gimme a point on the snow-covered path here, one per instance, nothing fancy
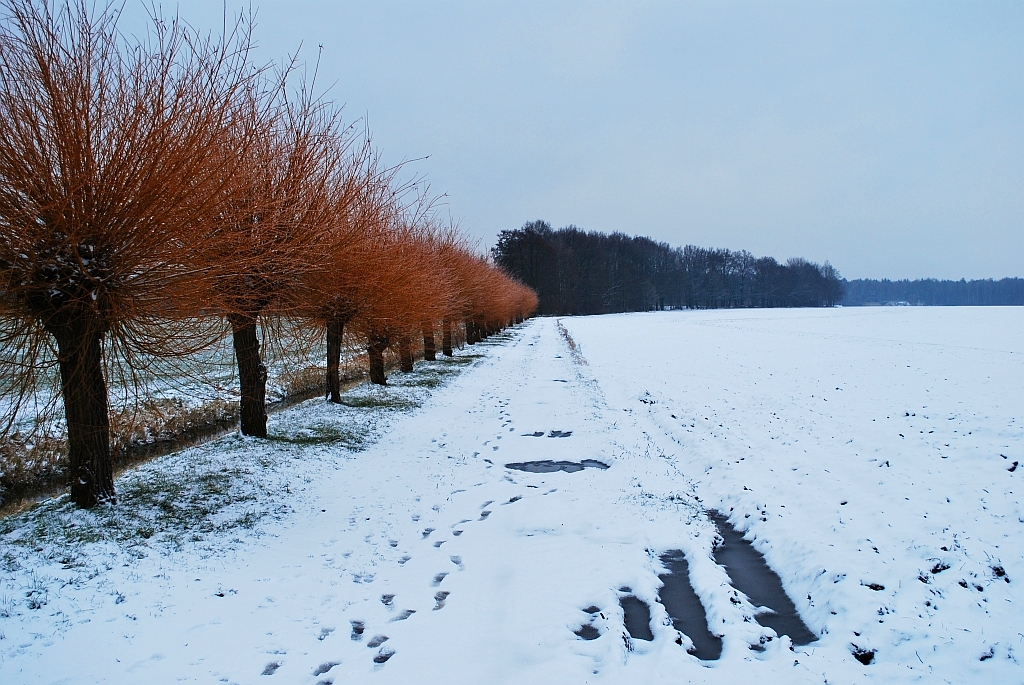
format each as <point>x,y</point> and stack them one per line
<point>478,573</point>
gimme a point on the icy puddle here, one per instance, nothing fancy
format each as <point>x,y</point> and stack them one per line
<point>684,607</point>
<point>754,578</point>
<point>549,466</point>
<point>637,617</point>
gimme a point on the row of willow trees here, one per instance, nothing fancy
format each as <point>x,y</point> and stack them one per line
<point>586,272</point>
<point>159,193</point>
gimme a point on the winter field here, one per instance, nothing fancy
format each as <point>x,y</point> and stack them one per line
<point>870,455</point>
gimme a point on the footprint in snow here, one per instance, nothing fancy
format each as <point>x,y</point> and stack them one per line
<point>393,543</point>
<point>537,434</point>
<point>406,613</point>
<point>514,499</point>
<point>427,532</point>
<point>439,577</point>
<point>456,533</point>
<point>484,514</point>
<point>387,600</point>
<point>324,632</point>
<point>457,561</point>
<point>487,504</point>
<point>271,668</point>
<point>326,666</point>
<point>383,655</point>
<point>405,558</point>
<point>376,641</point>
<point>440,597</point>
<point>357,630</point>
<point>439,543</point>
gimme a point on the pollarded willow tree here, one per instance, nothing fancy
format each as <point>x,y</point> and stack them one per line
<point>389,295</point>
<point>273,222</point>
<point>334,294</point>
<point>108,170</point>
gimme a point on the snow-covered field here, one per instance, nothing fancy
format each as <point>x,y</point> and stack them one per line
<point>867,453</point>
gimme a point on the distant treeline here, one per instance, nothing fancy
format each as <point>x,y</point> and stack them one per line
<point>928,291</point>
<point>585,272</point>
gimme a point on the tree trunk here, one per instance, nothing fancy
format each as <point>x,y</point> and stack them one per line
<point>429,346</point>
<point>252,375</point>
<point>335,327</point>
<point>375,350</point>
<point>405,353</point>
<point>446,337</point>
<point>80,356</point>
<point>470,333</point>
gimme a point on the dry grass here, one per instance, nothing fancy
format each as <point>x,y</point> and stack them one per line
<point>574,349</point>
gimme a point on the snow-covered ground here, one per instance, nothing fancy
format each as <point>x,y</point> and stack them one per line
<point>866,453</point>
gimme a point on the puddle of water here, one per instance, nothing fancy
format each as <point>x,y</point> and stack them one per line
<point>549,466</point>
<point>637,617</point>
<point>754,578</point>
<point>684,607</point>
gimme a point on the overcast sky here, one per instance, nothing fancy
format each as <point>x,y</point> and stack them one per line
<point>887,138</point>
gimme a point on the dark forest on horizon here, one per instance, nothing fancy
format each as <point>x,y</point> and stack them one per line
<point>585,272</point>
<point>930,291</point>
<point>575,271</point>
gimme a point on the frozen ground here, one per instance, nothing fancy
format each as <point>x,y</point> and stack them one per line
<point>865,452</point>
